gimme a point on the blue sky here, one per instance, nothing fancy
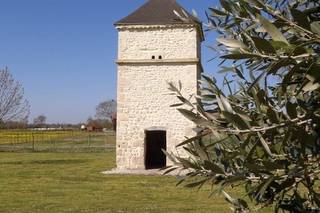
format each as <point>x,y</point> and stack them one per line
<point>63,51</point>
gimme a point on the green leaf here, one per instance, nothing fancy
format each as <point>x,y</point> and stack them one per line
<point>256,80</point>
<point>275,66</point>
<point>315,27</point>
<point>255,2</point>
<point>278,148</point>
<point>232,43</point>
<point>287,183</point>
<point>263,45</point>
<point>208,97</point>
<point>273,116</point>
<point>187,163</point>
<point>217,142</point>
<point>263,187</point>
<point>279,45</point>
<point>224,69</point>
<point>300,18</point>
<point>196,184</point>
<point>200,150</point>
<point>233,70</point>
<point>260,152</point>
<point>272,30</point>
<point>177,105</point>
<point>224,104</point>
<point>170,156</point>
<point>169,170</point>
<point>213,167</point>
<point>226,5</point>
<point>262,97</point>
<point>265,145</point>
<point>256,168</point>
<point>197,119</point>
<point>212,80</point>
<point>239,73</point>
<point>190,140</point>
<point>189,114</point>
<point>233,179</point>
<point>217,12</point>
<point>313,73</point>
<point>240,56</point>
<point>184,100</point>
<point>299,51</point>
<point>243,114</point>
<point>237,203</point>
<point>236,120</point>
<point>292,110</point>
<point>269,165</point>
<point>229,198</point>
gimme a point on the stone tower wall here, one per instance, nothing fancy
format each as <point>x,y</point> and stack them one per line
<point>171,42</point>
<point>143,96</point>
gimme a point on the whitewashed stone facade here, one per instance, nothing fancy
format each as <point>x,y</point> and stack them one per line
<point>143,96</point>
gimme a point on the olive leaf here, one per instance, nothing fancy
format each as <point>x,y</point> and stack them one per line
<point>315,27</point>
<point>272,30</point>
<point>301,18</point>
<point>232,43</point>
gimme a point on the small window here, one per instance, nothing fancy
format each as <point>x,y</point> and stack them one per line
<point>153,57</point>
<point>160,57</point>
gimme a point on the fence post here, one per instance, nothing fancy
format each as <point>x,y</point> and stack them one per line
<point>33,142</point>
<point>89,138</point>
<point>54,143</point>
<point>107,139</point>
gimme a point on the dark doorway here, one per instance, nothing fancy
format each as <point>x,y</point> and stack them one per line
<point>156,141</point>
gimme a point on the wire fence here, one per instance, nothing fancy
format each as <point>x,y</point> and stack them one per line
<point>56,141</point>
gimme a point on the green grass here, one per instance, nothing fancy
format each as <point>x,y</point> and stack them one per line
<point>64,182</point>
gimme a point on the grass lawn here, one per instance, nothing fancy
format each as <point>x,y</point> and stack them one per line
<point>72,182</point>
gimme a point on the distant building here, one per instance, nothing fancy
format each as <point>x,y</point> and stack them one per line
<point>155,47</point>
<point>83,127</point>
<point>94,128</point>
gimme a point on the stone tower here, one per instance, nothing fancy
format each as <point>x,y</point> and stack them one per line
<point>155,47</point>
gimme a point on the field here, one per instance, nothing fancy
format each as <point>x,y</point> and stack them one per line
<point>73,182</point>
<point>56,141</point>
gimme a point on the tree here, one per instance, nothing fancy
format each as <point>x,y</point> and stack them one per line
<point>40,121</point>
<point>13,105</point>
<point>107,111</point>
<point>266,130</point>
<point>16,124</point>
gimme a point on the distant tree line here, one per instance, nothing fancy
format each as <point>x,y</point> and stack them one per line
<point>15,109</point>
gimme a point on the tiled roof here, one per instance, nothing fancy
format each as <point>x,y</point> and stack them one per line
<point>156,12</point>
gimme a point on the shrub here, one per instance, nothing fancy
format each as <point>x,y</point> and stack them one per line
<point>266,130</point>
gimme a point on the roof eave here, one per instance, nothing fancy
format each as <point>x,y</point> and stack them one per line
<point>153,23</point>
<point>197,25</point>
